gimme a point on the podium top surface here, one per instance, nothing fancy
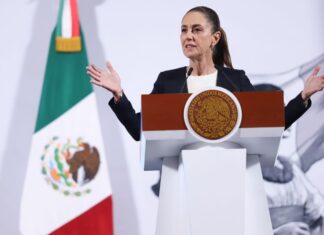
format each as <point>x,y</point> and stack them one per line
<point>164,132</point>
<point>162,112</point>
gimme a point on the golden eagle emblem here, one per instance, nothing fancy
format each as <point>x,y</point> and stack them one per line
<point>68,166</point>
<point>212,114</point>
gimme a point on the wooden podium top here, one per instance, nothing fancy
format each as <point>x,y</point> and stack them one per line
<point>259,109</point>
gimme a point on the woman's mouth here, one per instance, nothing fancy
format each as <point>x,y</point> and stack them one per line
<point>189,46</point>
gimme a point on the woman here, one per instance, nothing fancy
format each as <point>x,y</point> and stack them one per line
<point>204,43</point>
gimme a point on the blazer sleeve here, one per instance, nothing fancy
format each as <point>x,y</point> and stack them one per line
<point>293,110</point>
<point>127,115</point>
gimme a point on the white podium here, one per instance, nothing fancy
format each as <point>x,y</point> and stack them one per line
<point>211,188</point>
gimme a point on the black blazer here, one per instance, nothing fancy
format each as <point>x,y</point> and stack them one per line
<point>175,81</point>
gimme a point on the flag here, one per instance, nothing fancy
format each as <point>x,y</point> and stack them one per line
<point>67,188</point>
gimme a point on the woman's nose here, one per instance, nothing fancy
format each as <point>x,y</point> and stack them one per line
<point>189,35</point>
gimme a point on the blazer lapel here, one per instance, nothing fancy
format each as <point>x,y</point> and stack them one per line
<point>223,79</point>
<point>183,87</point>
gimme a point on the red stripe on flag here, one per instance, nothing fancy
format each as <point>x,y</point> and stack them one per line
<point>97,220</point>
<point>75,19</point>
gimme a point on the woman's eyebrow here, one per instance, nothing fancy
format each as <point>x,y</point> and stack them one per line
<point>193,26</point>
<point>196,25</point>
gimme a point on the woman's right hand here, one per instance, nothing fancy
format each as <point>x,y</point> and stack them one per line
<point>107,78</point>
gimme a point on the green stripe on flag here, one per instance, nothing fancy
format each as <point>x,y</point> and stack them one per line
<point>59,20</point>
<point>65,83</point>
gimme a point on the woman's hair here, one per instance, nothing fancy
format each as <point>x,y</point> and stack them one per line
<point>221,55</point>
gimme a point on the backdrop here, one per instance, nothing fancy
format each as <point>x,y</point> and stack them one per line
<point>273,41</point>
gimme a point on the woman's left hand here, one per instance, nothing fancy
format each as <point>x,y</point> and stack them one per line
<point>313,84</point>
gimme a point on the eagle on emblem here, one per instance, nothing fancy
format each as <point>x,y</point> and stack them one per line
<point>84,163</point>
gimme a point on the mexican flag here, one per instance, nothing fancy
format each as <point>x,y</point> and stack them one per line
<point>67,188</point>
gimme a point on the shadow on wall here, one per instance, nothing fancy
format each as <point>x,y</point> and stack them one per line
<point>22,125</point>
<point>15,159</point>
<point>125,216</point>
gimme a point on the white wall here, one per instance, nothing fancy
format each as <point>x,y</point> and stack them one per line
<point>141,38</point>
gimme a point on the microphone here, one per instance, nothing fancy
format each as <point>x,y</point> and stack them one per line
<point>187,75</point>
<point>189,72</point>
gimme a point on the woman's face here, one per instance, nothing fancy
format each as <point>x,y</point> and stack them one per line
<point>197,39</point>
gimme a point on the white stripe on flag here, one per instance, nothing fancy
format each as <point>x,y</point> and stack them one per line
<point>44,209</point>
<point>67,20</point>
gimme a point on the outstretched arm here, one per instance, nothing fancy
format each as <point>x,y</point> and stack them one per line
<point>313,84</point>
<point>109,79</point>
<point>301,103</point>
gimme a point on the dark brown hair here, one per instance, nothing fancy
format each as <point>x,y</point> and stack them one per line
<point>221,55</point>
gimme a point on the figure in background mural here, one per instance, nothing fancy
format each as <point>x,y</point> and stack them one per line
<point>296,205</point>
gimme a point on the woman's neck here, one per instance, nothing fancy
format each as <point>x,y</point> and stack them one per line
<point>202,66</point>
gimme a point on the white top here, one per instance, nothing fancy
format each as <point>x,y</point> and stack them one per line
<point>196,83</point>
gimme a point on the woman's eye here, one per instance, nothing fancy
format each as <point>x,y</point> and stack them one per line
<point>196,30</point>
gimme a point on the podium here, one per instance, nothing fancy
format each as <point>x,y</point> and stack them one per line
<point>211,188</point>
